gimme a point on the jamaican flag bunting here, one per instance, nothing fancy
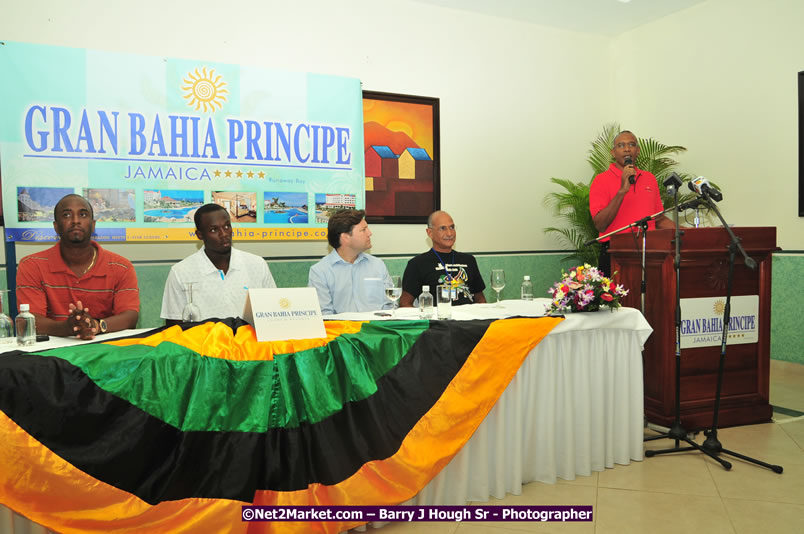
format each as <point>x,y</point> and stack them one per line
<point>174,430</point>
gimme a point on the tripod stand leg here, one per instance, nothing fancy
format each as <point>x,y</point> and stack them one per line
<point>692,447</point>
<point>775,468</point>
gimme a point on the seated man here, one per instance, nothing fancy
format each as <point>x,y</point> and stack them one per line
<point>442,265</point>
<point>220,274</point>
<point>77,288</point>
<point>348,279</point>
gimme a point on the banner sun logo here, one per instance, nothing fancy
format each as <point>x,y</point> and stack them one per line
<point>204,89</point>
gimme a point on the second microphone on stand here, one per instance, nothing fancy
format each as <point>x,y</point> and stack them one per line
<point>700,185</point>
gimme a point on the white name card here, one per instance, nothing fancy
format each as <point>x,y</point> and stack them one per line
<point>284,313</point>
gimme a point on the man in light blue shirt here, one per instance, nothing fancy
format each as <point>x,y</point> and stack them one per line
<point>348,279</point>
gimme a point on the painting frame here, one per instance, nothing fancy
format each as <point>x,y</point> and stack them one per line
<point>392,194</point>
<point>801,143</point>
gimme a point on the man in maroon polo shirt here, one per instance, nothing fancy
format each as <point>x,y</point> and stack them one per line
<point>77,288</point>
<point>623,194</point>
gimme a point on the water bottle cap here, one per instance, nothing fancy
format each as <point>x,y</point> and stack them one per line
<point>425,288</point>
<point>527,277</point>
<point>24,307</point>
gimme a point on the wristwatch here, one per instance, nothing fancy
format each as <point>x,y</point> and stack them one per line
<point>102,327</point>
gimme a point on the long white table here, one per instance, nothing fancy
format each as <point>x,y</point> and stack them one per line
<point>574,407</point>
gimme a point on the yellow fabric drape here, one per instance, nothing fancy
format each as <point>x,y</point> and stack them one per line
<point>435,439</point>
<point>215,340</point>
<point>43,487</point>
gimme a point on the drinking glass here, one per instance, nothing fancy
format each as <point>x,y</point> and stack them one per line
<point>444,301</point>
<point>7,336</point>
<point>498,283</point>
<point>191,312</point>
<point>393,290</point>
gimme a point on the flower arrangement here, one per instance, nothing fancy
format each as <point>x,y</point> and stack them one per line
<point>584,289</point>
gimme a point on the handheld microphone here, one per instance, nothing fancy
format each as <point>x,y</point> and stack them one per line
<point>701,186</point>
<point>629,161</point>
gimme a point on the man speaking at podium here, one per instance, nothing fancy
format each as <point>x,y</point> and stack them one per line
<point>623,194</point>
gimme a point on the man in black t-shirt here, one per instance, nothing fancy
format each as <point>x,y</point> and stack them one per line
<point>442,265</point>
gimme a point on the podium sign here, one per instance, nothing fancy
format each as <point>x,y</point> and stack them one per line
<point>703,275</point>
<point>286,313</point>
<point>702,321</point>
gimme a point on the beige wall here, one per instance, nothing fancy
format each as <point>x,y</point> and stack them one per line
<point>519,102</point>
<point>516,98</point>
<point>720,78</point>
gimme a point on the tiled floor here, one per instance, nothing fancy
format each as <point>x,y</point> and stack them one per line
<point>686,492</point>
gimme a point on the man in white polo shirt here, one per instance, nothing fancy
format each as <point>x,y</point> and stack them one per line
<point>220,274</point>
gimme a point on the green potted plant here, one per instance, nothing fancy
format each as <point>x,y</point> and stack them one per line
<point>572,204</point>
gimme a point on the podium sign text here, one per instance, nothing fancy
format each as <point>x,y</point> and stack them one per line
<point>702,321</point>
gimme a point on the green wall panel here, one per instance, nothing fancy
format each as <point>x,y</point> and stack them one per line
<point>787,305</point>
<point>544,269</point>
<point>787,339</point>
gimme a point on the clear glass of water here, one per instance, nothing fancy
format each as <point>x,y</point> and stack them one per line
<point>393,290</point>
<point>444,295</point>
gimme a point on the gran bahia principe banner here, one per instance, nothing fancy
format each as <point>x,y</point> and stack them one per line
<point>147,140</point>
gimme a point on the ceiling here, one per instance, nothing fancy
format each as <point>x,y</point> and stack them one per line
<point>606,17</point>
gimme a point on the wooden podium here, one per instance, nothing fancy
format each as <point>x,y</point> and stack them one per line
<point>703,273</point>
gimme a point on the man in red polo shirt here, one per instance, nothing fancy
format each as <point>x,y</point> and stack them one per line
<point>76,288</point>
<point>624,194</point>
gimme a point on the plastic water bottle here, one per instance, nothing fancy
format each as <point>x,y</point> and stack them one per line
<point>426,310</point>
<point>527,289</point>
<point>26,326</point>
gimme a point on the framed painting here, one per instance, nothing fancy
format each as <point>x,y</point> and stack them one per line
<point>401,143</point>
<point>800,140</point>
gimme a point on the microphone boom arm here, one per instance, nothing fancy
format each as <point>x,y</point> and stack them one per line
<point>641,222</point>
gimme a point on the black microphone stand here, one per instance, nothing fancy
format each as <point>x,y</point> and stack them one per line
<point>711,446</point>
<point>711,443</point>
<point>643,225</point>
<point>676,431</point>
<point>673,181</point>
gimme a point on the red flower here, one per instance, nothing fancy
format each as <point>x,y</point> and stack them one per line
<point>606,297</point>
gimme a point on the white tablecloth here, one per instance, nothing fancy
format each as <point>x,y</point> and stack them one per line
<point>575,406</point>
